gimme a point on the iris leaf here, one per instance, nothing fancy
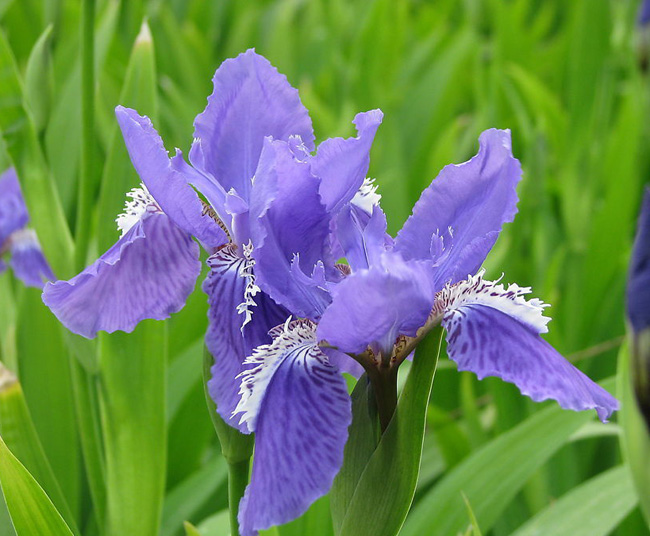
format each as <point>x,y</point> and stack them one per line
<point>39,363</point>
<point>635,440</point>
<point>594,508</point>
<point>132,397</point>
<point>31,510</point>
<point>17,428</point>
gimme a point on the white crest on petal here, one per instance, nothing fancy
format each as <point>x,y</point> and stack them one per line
<point>228,258</point>
<point>478,291</point>
<point>367,197</point>
<point>297,337</point>
<point>246,271</point>
<point>142,202</point>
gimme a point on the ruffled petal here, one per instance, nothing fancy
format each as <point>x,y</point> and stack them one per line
<point>374,306</point>
<point>148,273</point>
<point>165,182</point>
<point>298,405</point>
<point>250,101</point>
<point>638,282</point>
<point>27,260</point>
<point>289,228</point>
<point>13,212</point>
<point>493,331</point>
<point>240,317</point>
<point>342,164</point>
<point>458,218</point>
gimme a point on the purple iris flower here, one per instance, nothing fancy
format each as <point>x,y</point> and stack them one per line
<point>275,218</point>
<point>27,260</point>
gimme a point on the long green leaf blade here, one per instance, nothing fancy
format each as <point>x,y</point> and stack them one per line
<point>31,510</point>
<point>133,379</point>
<point>17,428</point>
<point>593,509</point>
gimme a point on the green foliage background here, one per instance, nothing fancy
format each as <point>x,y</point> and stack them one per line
<point>567,77</point>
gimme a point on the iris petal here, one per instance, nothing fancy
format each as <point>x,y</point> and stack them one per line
<point>493,331</point>
<point>376,305</point>
<point>362,238</point>
<point>342,164</point>
<point>289,227</point>
<point>234,310</point>
<point>165,182</point>
<point>148,273</point>
<point>250,101</point>
<point>297,404</point>
<point>465,206</point>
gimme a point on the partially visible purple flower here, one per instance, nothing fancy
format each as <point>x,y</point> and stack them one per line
<point>638,310</point>
<point>638,283</point>
<point>27,260</point>
<point>643,17</point>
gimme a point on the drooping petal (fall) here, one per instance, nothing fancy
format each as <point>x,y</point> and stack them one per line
<point>494,331</point>
<point>168,186</point>
<point>240,316</point>
<point>250,101</point>
<point>289,228</point>
<point>297,404</point>
<point>458,218</point>
<point>374,306</point>
<point>148,273</point>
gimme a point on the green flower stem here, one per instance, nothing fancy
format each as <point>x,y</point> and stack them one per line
<point>238,473</point>
<point>237,449</point>
<point>383,380</point>
<point>84,201</point>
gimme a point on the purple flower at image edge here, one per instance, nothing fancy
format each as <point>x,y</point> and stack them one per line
<point>278,217</point>
<point>26,257</point>
<point>643,16</point>
<point>638,310</point>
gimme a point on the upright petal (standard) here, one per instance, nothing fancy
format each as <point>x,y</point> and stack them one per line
<point>250,101</point>
<point>459,216</point>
